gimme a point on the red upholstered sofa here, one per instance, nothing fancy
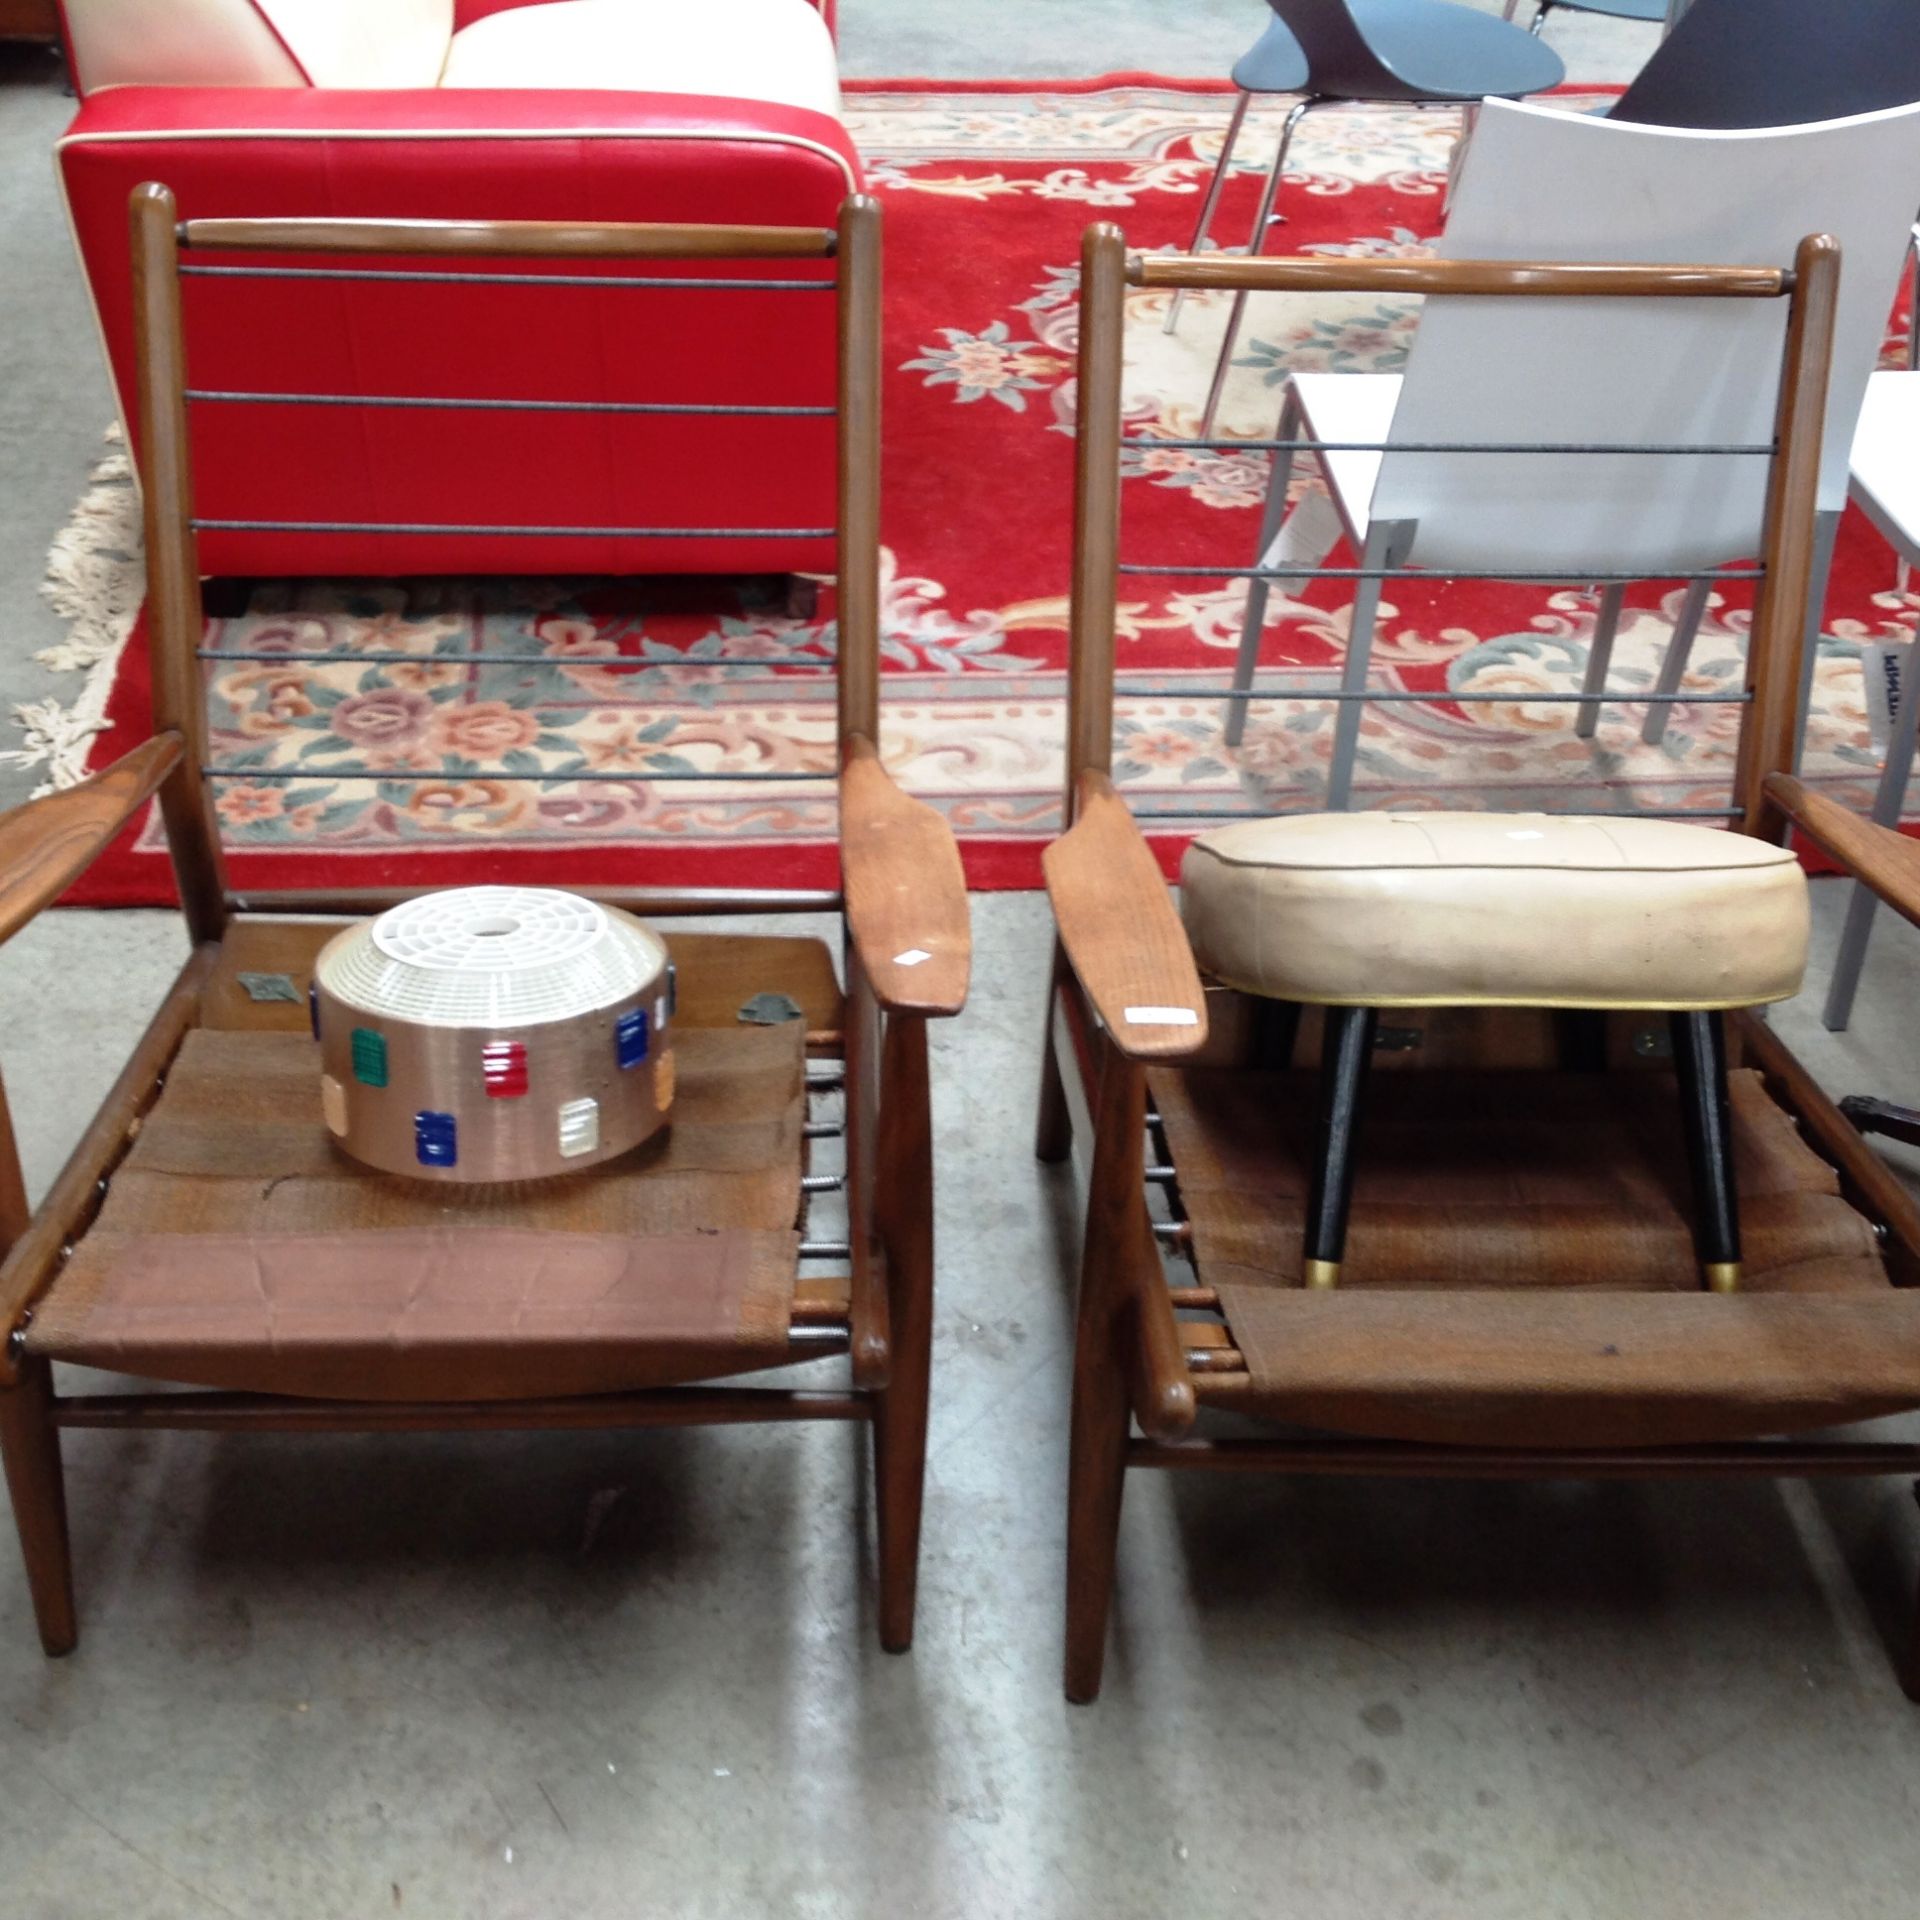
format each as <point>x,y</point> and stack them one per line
<point>718,111</point>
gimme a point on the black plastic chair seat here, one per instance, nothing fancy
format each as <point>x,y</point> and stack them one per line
<point>1655,10</point>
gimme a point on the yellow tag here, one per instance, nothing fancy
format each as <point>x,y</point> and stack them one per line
<point>333,1103</point>
<point>663,1079</point>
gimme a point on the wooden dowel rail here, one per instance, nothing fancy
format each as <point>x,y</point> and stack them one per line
<point>1236,272</point>
<point>1758,1460</point>
<point>271,1413</point>
<point>665,902</point>
<point>526,239</point>
<point>1204,1298</point>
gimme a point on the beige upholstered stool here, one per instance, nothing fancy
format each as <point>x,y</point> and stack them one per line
<point>1359,911</point>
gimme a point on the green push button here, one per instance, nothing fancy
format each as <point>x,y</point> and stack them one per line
<point>369,1057</point>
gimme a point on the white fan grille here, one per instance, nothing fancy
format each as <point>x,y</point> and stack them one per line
<point>491,957</point>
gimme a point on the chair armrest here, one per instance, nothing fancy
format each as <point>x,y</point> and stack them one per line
<point>47,844</point>
<point>1876,856</point>
<point>905,891</point>
<point>1122,935</point>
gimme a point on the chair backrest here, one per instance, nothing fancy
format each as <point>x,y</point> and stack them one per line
<point>258,43</point>
<point>1778,63</point>
<point>1541,185</point>
<point>1804,293</point>
<point>797,262</point>
<point>1335,48</point>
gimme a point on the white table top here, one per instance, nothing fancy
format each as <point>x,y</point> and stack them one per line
<point>1886,459</point>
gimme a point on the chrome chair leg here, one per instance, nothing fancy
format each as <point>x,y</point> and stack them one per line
<point>1606,626</point>
<point>1388,542</point>
<point>1693,609</point>
<point>1279,482</point>
<point>1297,113</point>
<point>1211,203</point>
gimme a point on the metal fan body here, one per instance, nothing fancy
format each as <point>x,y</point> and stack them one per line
<point>494,1033</point>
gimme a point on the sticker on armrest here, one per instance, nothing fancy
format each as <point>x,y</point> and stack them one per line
<point>1162,1017</point>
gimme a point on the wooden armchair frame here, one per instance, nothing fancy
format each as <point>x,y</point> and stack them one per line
<point>903,907</point>
<point>1152,1350</point>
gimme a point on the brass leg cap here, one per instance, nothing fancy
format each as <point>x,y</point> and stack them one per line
<point>1322,1274</point>
<point>1723,1276</point>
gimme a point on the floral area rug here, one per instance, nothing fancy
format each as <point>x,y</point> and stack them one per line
<point>986,197</point>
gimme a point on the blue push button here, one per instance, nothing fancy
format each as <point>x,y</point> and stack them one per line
<point>435,1139</point>
<point>630,1037</point>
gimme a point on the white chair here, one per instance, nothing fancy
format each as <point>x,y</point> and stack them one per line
<point>1541,184</point>
<point>1886,483</point>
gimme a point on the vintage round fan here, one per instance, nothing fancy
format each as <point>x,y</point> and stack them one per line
<point>494,1033</point>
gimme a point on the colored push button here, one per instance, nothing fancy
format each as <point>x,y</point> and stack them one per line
<point>369,1057</point>
<point>435,1139</point>
<point>630,1037</point>
<point>579,1127</point>
<point>504,1064</point>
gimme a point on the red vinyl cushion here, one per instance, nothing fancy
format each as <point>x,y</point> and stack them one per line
<point>483,155</point>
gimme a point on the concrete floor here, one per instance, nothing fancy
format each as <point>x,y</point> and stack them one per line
<point>636,1676</point>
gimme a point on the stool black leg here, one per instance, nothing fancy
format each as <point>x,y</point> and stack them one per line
<point>1345,1049</point>
<point>1700,1063</point>
<point>1580,1037</point>
<point>1276,1032</point>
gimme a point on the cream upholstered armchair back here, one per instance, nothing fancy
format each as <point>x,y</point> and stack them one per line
<point>258,43</point>
<point>274,43</point>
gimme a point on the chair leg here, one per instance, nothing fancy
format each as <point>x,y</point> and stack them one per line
<point>30,1443</point>
<point>1100,1418</point>
<point>904,1201</point>
<point>1204,225</point>
<point>1262,221</point>
<point>1888,800</point>
<point>1279,483</point>
<point>1700,1065</point>
<point>1387,544</point>
<point>1346,1050</point>
<point>1673,669</point>
<point>1606,628</point>
<point>1053,1129</point>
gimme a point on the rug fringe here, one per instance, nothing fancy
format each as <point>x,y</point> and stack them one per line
<point>94,581</point>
